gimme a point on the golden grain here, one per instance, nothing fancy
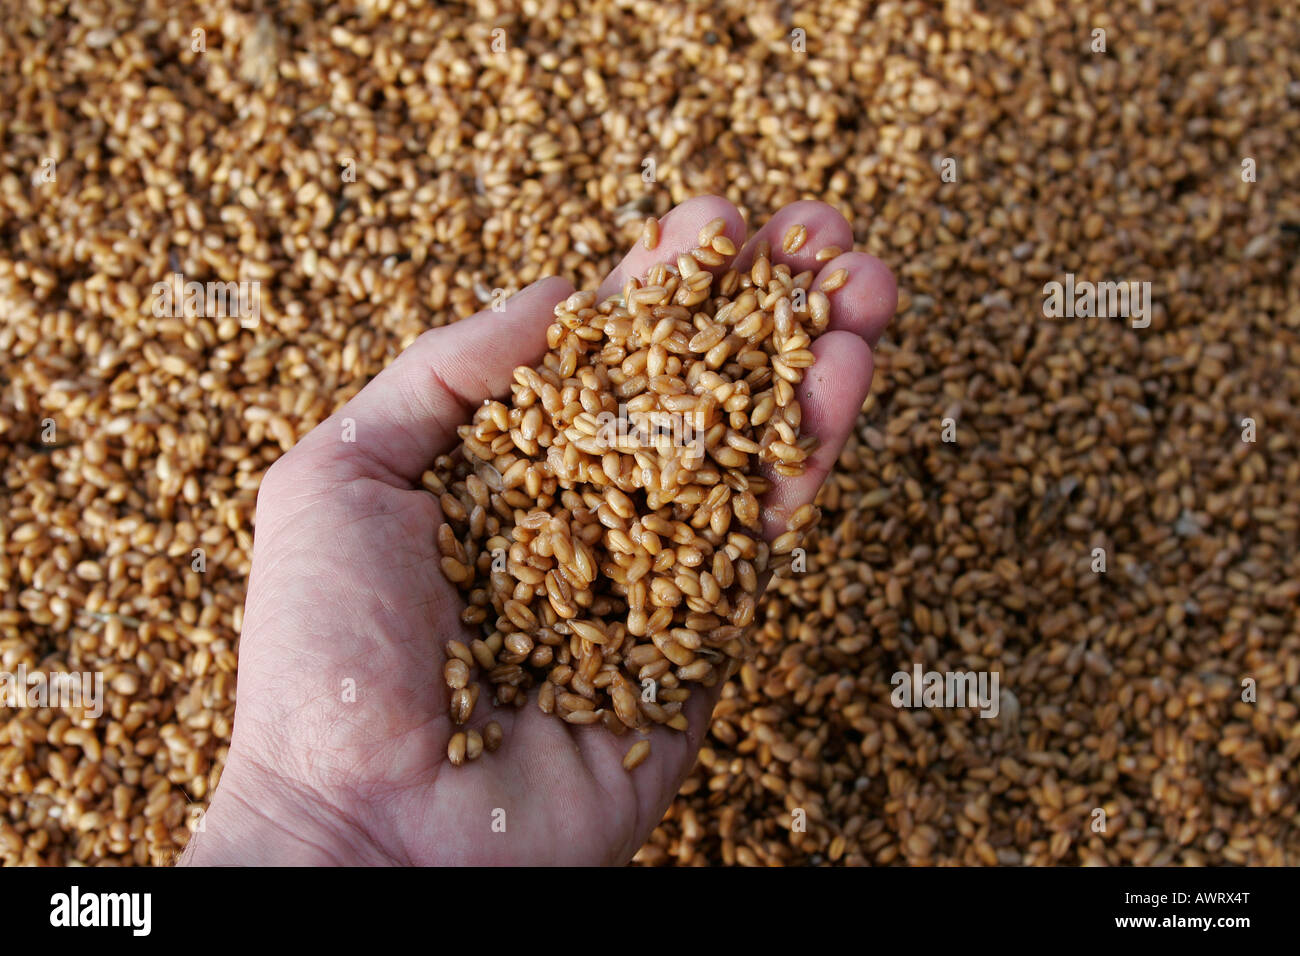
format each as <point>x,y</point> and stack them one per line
<point>834,281</point>
<point>473,745</point>
<point>650,233</point>
<point>456,748</point>
<point>636,755</point>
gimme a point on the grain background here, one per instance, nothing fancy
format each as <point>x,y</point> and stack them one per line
<point>494,143</point>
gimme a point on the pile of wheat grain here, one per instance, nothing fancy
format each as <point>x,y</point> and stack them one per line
<point>383,169</point>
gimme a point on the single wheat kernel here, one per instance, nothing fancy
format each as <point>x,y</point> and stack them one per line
<point>835,280</point>
<point>456,748</point>
<point>636,755</point>
<point>794,239</point>
<point>462,703</point>
<point>455,673</point>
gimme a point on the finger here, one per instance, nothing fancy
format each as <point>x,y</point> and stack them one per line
<point>824,228</point>
<point>408,415</point>
<point>866,301</point>
<point>830,396</point>
<point>678,234</point>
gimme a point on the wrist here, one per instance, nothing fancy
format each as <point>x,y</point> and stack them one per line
<point>260,819</point>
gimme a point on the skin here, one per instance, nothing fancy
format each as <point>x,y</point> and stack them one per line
<point>345,586</point>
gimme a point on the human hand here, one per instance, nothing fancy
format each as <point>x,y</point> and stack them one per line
<point>346,587</point>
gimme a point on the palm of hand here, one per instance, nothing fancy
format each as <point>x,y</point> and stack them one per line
<point>353,679</point>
